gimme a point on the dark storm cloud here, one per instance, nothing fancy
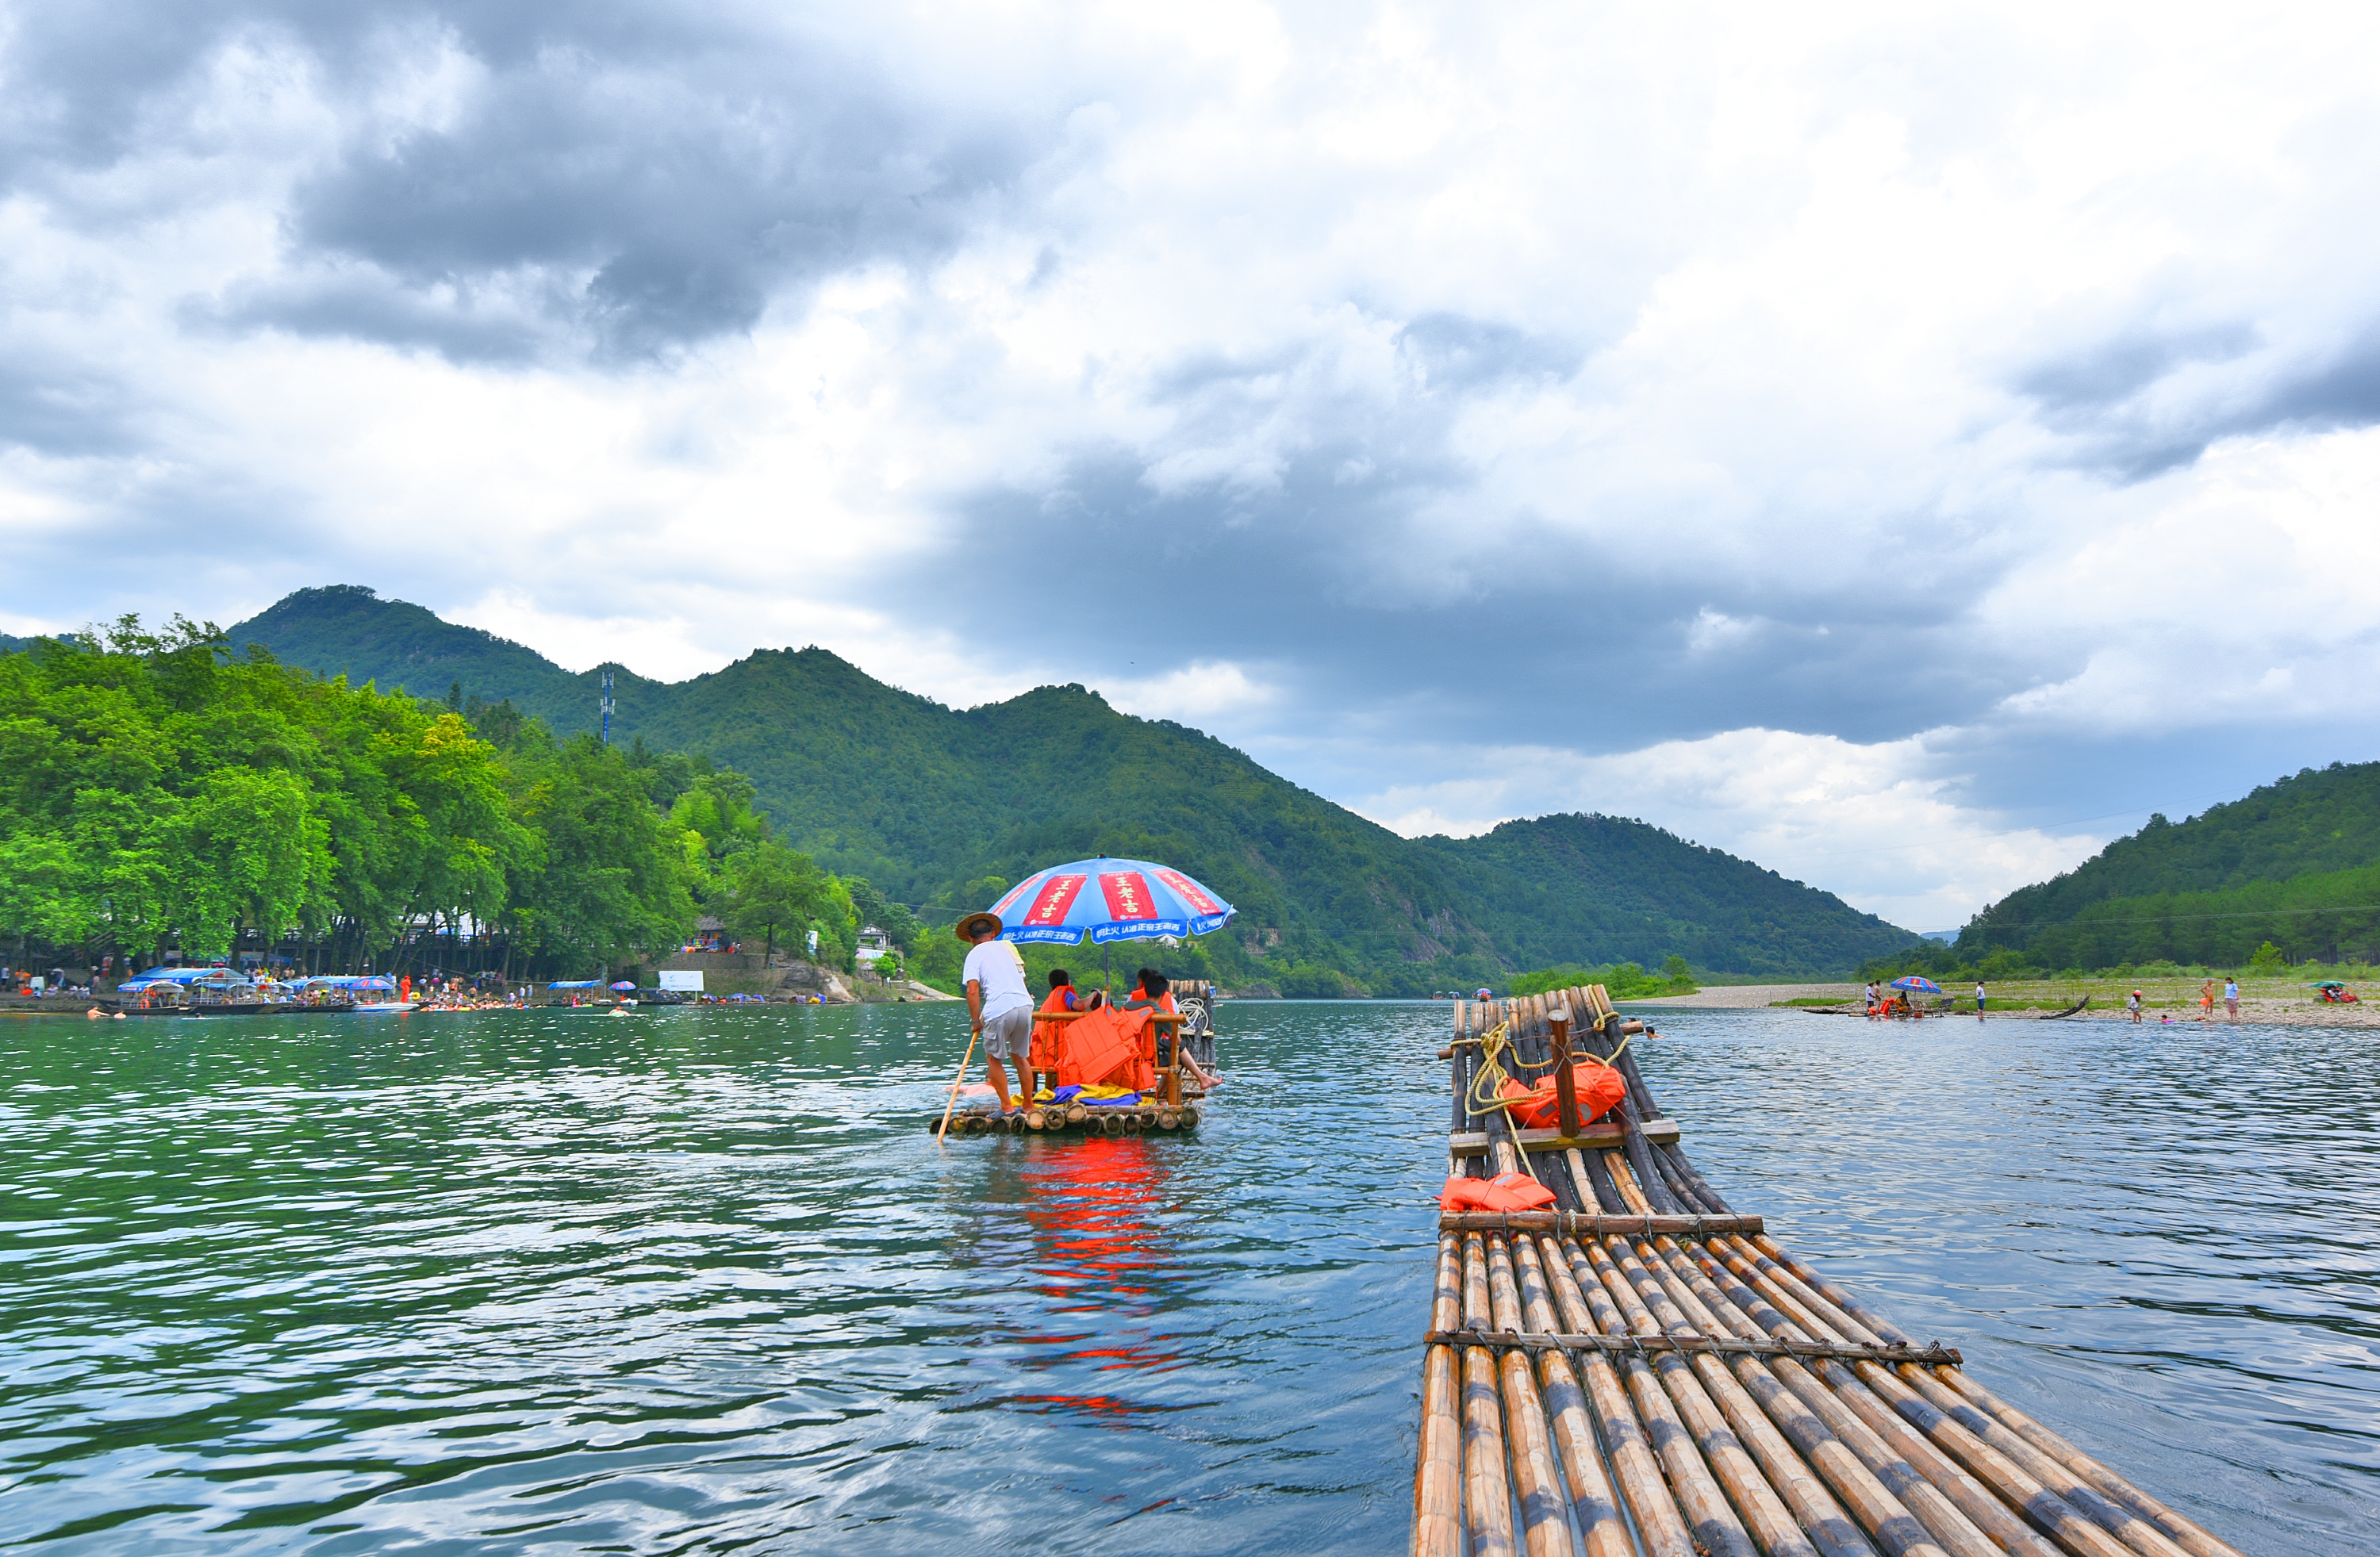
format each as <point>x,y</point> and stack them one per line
<point>62,409</point>
<point>2122,401</point>
<point>646,173</point>
<point>1533,633</point>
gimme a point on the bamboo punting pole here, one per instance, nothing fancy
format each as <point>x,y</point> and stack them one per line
<point>1545,1517</point>
<point>1651,1505</point>
<point>1438,1472</point>
<point>1763,1508</point>
<point>1591,1494</point>
<point>1487,1491</point>
<point>2184,1533</point>
<point>1717,1529</point>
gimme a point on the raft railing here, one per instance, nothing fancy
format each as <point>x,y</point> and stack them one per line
<point>1640,1369</point>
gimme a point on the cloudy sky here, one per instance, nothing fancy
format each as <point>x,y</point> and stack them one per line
<point>1902,445</point>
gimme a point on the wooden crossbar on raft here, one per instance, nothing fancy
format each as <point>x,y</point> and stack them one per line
<point>1638,1370</point>
<point>1644,1345</point>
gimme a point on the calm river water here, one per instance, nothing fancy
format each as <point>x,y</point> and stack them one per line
<point>697,1281</point>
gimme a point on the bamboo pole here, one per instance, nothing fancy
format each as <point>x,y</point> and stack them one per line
<point>953,1100</point>
<point>2066,1525</point>
<point>1591,1495</point>
<point>1438,1473</point>
<point>1781,1432</point>
<point>1545,1517</point>
<point>2119,1521</point>
<point>1718,1531</point>
<point>1973,1500</point>
<point>1762,1510</point>
<point>1773,1381</point>
<point>1650,1502</point>
<point>1486,1490</point>
<point>2184,1533</point>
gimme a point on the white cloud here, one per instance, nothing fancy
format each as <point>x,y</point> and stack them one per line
<point>1648,381</point>
<point>1881,825</point>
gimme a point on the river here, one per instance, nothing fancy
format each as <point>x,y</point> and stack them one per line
<point>695,1281</point>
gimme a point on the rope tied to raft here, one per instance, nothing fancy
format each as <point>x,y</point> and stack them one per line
<point>1487,1085</point>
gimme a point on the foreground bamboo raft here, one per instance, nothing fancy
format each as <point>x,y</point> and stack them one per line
<point>1637,1369</point>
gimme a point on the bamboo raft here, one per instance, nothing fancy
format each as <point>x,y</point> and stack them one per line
<point>1640,1369</point>
<point>1179,1106</point>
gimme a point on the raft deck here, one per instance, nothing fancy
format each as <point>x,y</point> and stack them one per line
<point>1639,1369</point>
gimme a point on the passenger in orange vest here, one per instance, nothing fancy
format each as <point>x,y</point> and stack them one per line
<point>1049,1035</point>
<point>1155,993</point>
<point>404,987</point>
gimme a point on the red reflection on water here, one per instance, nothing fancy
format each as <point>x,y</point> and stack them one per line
<point>1092,1206</point>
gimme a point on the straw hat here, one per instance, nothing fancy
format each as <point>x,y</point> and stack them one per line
<point>966,928</point>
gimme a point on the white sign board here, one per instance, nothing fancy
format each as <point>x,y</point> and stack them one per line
<point>689,980</point>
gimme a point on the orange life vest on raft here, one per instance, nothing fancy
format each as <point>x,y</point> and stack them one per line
<point>1108,1045</point>
<point>1049,1035</point>
<point>1598,1089</point>
<point>1511,1192</point>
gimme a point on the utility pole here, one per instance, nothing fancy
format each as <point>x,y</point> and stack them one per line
<point>607,705</point>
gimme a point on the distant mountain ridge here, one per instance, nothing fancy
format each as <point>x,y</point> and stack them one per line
<point>2196,889</point>
<point>932,803</point>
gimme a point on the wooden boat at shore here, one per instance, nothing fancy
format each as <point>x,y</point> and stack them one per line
<point>1637,1369</point>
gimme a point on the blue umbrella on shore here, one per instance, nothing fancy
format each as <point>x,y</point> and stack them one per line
<point>1923,986</point>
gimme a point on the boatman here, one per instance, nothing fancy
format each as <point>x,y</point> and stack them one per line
<point>997,1005</point>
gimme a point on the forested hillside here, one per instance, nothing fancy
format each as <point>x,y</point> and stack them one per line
<point>1547,886</point>
<point>2292,863</point>
<point>943,808</point>
<point>159,794</point>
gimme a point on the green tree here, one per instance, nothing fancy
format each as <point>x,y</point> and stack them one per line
<point>769,889</point>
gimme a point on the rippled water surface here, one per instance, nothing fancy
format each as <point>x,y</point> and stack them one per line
<point>697,1281</point>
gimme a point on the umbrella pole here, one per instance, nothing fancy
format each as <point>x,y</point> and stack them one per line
<point>953,1100</point>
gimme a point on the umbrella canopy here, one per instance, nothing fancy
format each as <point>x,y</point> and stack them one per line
<point>625,984</point>
<point>1923,985</point>
<point>2326,983</point>
<point>1108,900</point>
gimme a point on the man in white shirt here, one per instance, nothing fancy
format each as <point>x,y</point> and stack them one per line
<point>999,1006</point>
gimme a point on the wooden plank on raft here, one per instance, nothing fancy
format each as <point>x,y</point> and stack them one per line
<point>1934,1355</point>
<point>1589,1224</point>
<point>1473,1144</point>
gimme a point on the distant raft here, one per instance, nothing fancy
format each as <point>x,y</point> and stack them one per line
<point>1632,1368</point>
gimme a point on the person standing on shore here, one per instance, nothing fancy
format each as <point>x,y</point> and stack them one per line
<point>997,1005</point>
<point>1979,999</point>
<point>2132,1004</point>
<point>2206,1001</point>
<point>2231,998</point>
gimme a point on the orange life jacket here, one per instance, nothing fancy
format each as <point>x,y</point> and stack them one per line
<point>1511,1192</point>
<point>1047,1035</point>
<point>1598,1089</point>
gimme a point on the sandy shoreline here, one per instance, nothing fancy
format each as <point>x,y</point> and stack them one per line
<point>1743,996</point>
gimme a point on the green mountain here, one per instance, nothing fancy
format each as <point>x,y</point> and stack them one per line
<point>2290,862</point>
<point>944,807</point>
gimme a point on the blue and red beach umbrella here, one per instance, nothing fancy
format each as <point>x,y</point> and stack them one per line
<point>1108,900</point>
